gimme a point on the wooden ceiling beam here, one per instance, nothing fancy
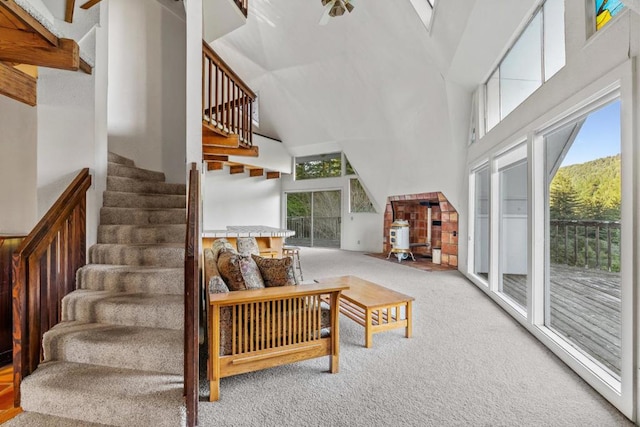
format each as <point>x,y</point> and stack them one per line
<point>18,85</point>
<point>25,38</point>
<point>68,12</point>
<point>256,172</point>
<point>273,175</point>
<point>28,21</point>
<point>228,151</point>
<point>65,57</point>
<point>90,4</point>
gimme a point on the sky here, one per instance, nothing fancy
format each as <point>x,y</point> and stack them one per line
<point>599,136</point>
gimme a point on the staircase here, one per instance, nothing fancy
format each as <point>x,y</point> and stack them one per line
<point>117,357</point>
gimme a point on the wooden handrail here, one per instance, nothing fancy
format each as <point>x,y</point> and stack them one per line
<point>191,298</point>
<point>227,101</point>
<point>44,271</point>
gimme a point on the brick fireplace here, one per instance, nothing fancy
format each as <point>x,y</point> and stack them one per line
<point>444,224</point>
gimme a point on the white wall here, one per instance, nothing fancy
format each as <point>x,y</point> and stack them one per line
<point>18,142</point>
<point>240,200</point>
<point>147,86</point>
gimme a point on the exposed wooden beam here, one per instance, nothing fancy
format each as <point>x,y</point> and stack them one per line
<point>214,166</point>
<point>214,139</point>
<point>273,175</point>
<point>227,151</point>
<point>90,4</point>
<point>84,66</point>
<point>28,21</point>
<point>18,85</point>
<point>31,70</point>
<point>25,38</point>
<point>234,169</point>
<point>256,172</point>
<point>65,56</point>
<point>214,158</point>
<point>68,13</point>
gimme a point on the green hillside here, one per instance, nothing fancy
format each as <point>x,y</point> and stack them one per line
<point>588,190</point>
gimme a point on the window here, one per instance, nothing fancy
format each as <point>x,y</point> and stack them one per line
<point>319,166</point>
<point>348,169</point>
<point>255,110</point>
<point>537,54</point>
<point>605,10</point>
<point>358,200</point>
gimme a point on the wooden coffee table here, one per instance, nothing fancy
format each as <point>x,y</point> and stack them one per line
<point>373,306</point>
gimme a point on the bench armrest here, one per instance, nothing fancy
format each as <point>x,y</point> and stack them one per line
<point>269,294</point>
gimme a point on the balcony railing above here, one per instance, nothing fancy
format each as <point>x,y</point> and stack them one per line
<point>227,101</point>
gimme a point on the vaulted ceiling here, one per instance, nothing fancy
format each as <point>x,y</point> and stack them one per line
<point>375,73</point>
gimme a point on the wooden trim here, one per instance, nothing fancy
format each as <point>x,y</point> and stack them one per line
<point>85,67</point>
<point>214,158</point>
<point>17,85</point>
<point>236,169</point>
<point>214,166</point>
<point>256,172</point>
<point>214,139</point>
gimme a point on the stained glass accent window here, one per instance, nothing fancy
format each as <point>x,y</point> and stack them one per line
<point>605,10</point>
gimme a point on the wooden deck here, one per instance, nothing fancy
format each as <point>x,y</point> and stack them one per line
<point>585,308</point>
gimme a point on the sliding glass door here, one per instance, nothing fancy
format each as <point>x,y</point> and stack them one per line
<point>315,216</point>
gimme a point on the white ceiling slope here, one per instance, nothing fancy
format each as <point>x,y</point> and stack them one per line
<point>363,75</point>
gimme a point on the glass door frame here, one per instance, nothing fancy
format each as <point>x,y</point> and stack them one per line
<point>311,192</point>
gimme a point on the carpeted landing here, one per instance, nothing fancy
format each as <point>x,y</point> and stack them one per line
<point>117,358</point>
<point>467,364</point>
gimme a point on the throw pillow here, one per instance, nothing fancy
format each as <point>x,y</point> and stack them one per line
<point>219,245</point>
<point>276,271</point>
<point>217,285</point>
<point>248,246</point>
<point>251,273</point>
<point>229,268</point>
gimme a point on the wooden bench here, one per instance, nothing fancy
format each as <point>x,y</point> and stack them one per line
<point>272,327</point>
<point>373,306</point>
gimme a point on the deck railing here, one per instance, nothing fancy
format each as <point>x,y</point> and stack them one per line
<point>191,298</point>
<point>44,271</point>
<point>243,5</point>
<point>323,230</point>
<point>227,101</point>
<point>586,243</point>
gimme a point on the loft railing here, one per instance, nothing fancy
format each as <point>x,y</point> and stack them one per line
<point>191,298</point>
<point>586,243</point>
<point>44,271</point>
<point>243,5</point>
<point>227,101</point>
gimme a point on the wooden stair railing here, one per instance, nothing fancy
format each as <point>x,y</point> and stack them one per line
<point>44,271</point>
<point>227,101</point>
<point>191,298</point>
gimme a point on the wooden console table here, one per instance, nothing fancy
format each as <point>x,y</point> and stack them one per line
<point>373,306</point>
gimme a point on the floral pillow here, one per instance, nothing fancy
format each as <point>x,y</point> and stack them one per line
<point>229,268</point>
<point>251,273</point>
<point>276,271</point>
<point>217,285</point>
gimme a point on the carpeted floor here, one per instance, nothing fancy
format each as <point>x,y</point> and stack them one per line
<point>468,363</point>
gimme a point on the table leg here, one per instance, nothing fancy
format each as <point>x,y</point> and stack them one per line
<point>408,330</point>
<point>368,329</point>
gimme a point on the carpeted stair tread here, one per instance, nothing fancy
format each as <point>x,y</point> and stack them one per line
<point>32,419</point>
<point>117,169</point>
<point>113,396</point>
<point>126,309</point>
<point>129,185</point>
<point>136,279</point>
<point>161,255</point>
<point>119,199</point>
<point>136,216</point>
<point>132,347</point>
<point>116,158</point>
<point>142,234</point>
